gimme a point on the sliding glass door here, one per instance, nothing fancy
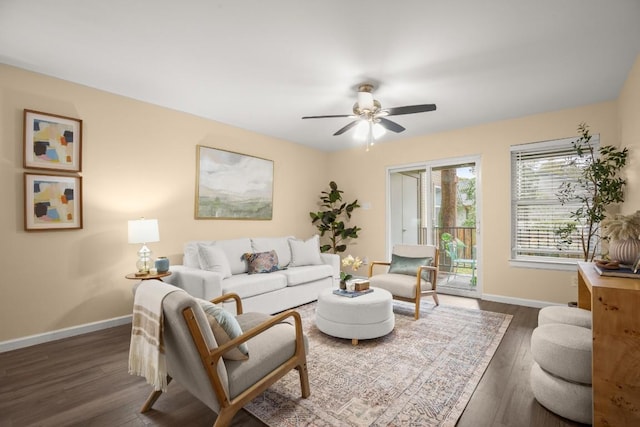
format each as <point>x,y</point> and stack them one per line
<point>438,203</point>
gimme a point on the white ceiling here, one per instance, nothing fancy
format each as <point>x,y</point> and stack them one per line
<point>262,65</point>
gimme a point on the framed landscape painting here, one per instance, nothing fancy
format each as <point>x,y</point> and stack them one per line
<point>52,142</point>
<point>233,186</point>
<point>52,202</point>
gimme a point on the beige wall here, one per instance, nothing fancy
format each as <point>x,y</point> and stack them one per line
<point>139,160</point>
<point>629,107</point>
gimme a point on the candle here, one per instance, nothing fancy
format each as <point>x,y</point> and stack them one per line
<point>153,271</point>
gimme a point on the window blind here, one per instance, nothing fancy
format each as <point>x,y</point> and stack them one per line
<point>537,172</point>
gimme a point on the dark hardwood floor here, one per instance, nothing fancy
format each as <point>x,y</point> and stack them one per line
<point>83,381</point>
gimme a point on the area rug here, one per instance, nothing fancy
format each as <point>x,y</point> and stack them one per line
<point>421,374</point>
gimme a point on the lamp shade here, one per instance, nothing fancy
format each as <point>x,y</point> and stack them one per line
<point>362,131</point>
<point>378,130</point>
<point>143,231</point>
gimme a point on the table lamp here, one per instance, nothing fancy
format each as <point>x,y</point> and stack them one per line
<point>144,231</point>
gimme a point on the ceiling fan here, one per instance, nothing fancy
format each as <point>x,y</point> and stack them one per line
<point>370,110</point>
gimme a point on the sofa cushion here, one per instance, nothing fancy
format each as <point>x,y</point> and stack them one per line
<point>269,350</point>
<point>279,244</point>
<point>262,262</point>
<point>248,285</point>
<point>191,257</point>
<point>305,252</point>
<point>235,249</point>
<point>225,327</point>
<point>212,258</point>
<point>401,285</point>
<point>309,273</point>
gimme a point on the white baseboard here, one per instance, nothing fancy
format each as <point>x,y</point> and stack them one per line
<point>62,333</point>
<point>117,321</point>
<point>518,301</point>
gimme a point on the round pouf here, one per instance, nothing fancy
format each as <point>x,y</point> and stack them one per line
<point>567,399</point>
<point>562,314</point>
<point>563,350</point>
<point>561,373</point>
<point>362,317</point>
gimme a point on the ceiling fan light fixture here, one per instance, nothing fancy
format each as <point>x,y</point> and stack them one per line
<point>378,131</point>
<point>361,132</point>
<point>370,119</point>
<point>365,101</point>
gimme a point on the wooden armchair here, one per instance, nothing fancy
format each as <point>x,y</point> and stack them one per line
<point>195,360</point>
<point>408,278</point>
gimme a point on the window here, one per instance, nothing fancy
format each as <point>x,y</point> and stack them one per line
<point>537,171</point>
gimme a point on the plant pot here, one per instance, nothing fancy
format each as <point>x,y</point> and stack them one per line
<point>626,251</point>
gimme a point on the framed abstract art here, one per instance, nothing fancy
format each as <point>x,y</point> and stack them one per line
<point>233,186</point>
<point>52,202</point>
<point>52,142</point>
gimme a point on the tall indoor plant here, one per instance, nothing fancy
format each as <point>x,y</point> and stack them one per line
<point>599,185</point>
<point>332,218</point>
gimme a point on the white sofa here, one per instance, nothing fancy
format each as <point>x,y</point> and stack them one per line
<point>213,268</point>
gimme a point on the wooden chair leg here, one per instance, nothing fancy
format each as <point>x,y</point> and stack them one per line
<point>225,416</point>
<point>152,398</point>
<point>304,380</point>
<point>417,312</point>
<point>435,298</point>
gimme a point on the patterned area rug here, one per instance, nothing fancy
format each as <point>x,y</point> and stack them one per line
<point>421,374</point>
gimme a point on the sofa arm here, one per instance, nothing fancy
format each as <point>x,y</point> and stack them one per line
<point>199,283</point>
<point>334,261</point>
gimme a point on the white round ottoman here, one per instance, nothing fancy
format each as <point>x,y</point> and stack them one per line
<point>563,314</point>
<point>561,375</point>
<point>570,400</point>
<point>362,317</point>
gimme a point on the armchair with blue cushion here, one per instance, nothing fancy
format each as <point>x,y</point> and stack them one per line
<point>411,274</point>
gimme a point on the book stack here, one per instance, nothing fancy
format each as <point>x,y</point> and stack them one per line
<point>623,271</point>
<point>351,294</point>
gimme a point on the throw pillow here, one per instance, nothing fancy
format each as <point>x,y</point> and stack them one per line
<point>225,327</point>
<point>408,265</point>
<point>212,258</point>
<point>278,244</point>
<point>305,252</point>
<point>262,262</point>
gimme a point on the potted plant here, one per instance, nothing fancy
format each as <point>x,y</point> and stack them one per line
<point>331,220</point>
<point>598,186</point>
<point>354,263</point>
<point>623,234</point>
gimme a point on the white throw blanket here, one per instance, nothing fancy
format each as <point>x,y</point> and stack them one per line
<point>146,352</point>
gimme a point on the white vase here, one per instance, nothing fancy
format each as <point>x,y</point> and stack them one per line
<point>626,251</point>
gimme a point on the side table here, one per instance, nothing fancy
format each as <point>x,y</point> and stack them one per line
<point>614,303</point>
<point>148,276</point>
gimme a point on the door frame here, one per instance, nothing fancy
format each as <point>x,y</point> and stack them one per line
<point>389,171</point>
<point>428,166</point>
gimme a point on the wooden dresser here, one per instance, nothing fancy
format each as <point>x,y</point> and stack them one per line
<point>615,306</point>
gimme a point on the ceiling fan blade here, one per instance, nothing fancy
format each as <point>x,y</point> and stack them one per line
<point>346,128</point>
<point>410,109</point>
<point>325,117</point>
<point>392,126</point>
